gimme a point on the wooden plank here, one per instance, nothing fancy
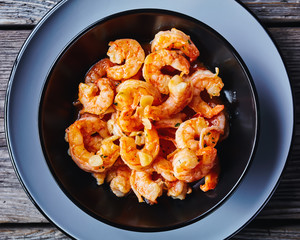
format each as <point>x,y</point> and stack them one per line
<point>270,230</point>
<point>15,206</point>
<point>255,230</point>
<point>10,44</point>
<point>277,11</point>
<point>31,231</point>
<point>18,12</point>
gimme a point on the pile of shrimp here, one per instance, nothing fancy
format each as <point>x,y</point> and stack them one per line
<point>150,119</point>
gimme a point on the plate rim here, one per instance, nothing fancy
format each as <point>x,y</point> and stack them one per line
<point>251,87</point>
<point>50,12</point>
<point>294,119</point>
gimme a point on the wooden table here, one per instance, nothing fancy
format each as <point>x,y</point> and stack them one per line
<point>280,218</point>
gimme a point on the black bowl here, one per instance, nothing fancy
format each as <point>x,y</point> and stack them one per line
<point>57,113</point>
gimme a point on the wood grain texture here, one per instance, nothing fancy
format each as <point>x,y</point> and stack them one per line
<point>280,218</point>
<point>286,201</point>
<point>270,230</point>
<point>25,231</point>
<point>20,12</point>
<point>278,11</point>
<point>17,12</point>
<point>15,206</point>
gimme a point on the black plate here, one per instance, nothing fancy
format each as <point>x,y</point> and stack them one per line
<point>65,22</point>
<point>57,113</point>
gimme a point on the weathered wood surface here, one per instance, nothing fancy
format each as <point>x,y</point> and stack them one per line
<point>25,231</point>
<point>278,11</point>
<point>20,12</point>
<point>280,218</point>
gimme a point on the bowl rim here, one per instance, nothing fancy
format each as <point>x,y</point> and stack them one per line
<point>250,84</point>
<point>284,126</point>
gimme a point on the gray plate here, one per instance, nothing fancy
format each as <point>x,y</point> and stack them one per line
<point>227,17</point>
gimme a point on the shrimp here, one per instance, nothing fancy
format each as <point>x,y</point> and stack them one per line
<point>204,79</point>
<point>177,189</point>
<point>129,94</point>
<point>188,133</point>
<point>113,127</point>
<point>92,142</point>
<point>100,177</point>
<point>119,179</point>
<point>143,185</point>
<point>76,136</point>
<point>189,166</point>
<point>203,108</point>
<point>164,167</point>
<point>98,70</point>
<point>140,159</point>
<point>96,97</point>
<point>210,135</point>
<point>212,178</point>
<point>154,63</point>
<point>181,94</point>
<point>175,39</point>
<point>108,152</point>
<point>218,122</point>
<point>129,121</point>
<point>173,121</point>
<point>128,50</point>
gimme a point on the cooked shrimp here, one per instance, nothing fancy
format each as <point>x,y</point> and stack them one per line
<point>189,166</point>
<point>100,177</point>
<point>92,142</point>
<point>181,93</point>
<point>211,179</point>
<point>204,79</point>
<point>140,159</point>
<point>154,63</point>
<point>129,94</point>
<point>177,189</point>
<point>98,70</point>
<point>164,167</point>
<point>108,152</point>
<point>128,50</point>
<point>139,75</point>
<point>119,178</point>
<point>188,133</point>
<point>218,122</point>
<point>113,127</point>
<point>76,133</point>
<point>138,128</point>
<point>210,135</point>
<point>203,108</point>
<point>130,121</point>
<point>173,121</point>
<point>175,39</point>
<point>144,186</point>
<point>96,97</point>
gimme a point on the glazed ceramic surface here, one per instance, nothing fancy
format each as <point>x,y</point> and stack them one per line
<point>57,113</point>
<point>48,41</point>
